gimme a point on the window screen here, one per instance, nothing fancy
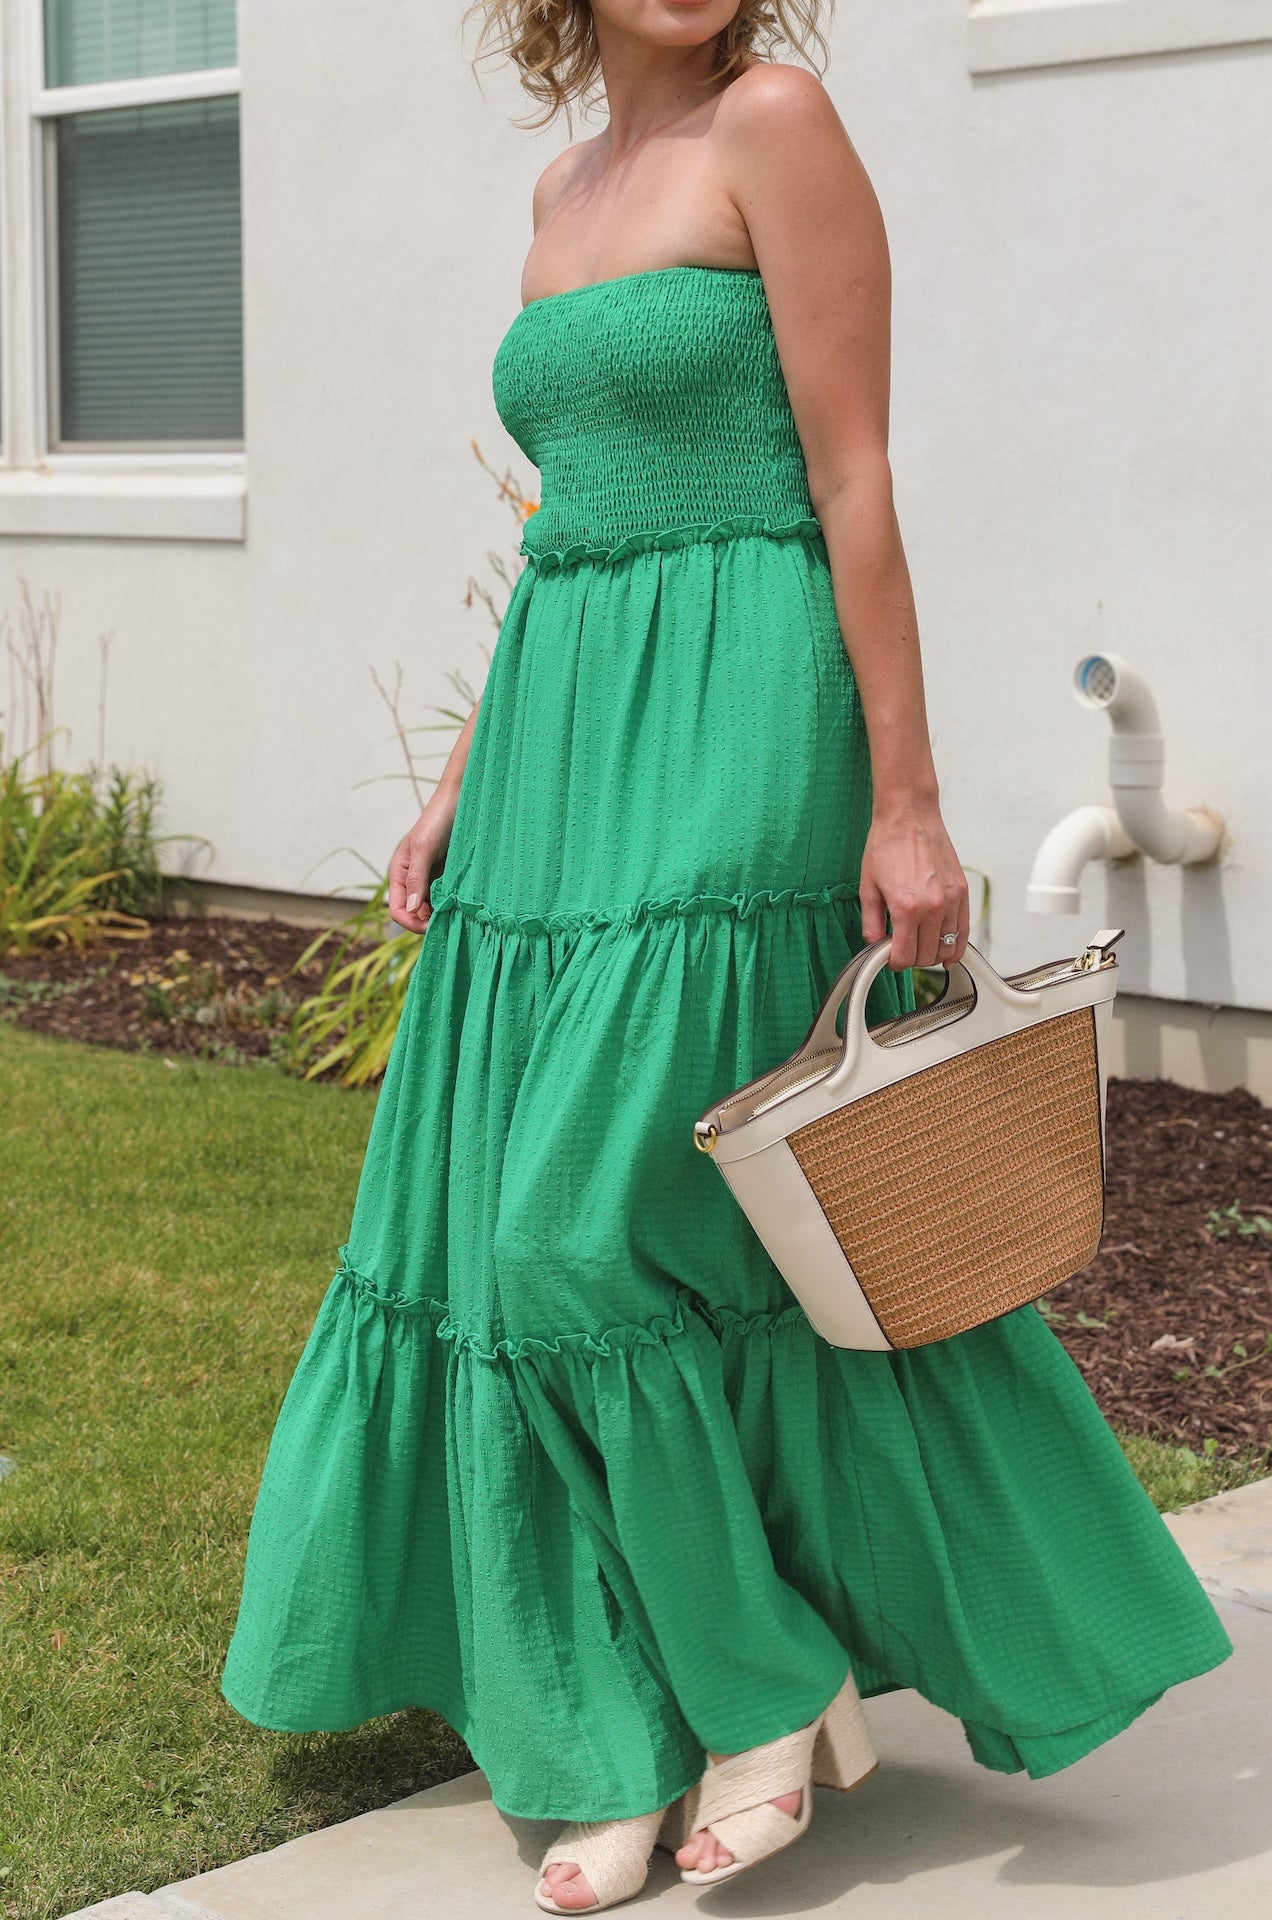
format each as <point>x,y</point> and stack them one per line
<point>148,284</point>
<point>87,40</point>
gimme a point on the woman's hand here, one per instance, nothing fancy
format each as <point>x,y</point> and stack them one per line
<point>420,856</point>
<point>418,860</point>
<point>909,869</point>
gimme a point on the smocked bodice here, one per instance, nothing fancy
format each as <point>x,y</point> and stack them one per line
<point>655,409</point>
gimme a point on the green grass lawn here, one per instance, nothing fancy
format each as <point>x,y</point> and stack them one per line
<point>170,1230</point>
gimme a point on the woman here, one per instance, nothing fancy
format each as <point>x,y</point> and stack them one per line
<point>562,1458</point>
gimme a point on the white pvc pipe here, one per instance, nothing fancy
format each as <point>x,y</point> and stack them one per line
<point>1139,819</point>
<point>1137,765</point>
<point>1174,835</point>
<point>1088,833</point>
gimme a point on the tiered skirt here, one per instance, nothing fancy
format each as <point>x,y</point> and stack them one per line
<point>562,1458</point>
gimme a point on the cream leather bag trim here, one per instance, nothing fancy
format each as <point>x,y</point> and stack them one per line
<point>751,1150</point>
<point>783,1210</point>
<point>864,1065</point>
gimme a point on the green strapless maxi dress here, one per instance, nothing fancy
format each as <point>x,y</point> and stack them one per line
<point>562,1458</point>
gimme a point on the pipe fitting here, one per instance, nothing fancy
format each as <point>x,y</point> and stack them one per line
<point>1088,833</point>
<point>1137,765</point>
<point>1139,819</point>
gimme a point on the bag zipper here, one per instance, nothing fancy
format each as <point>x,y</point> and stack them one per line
<point>907,1026</point>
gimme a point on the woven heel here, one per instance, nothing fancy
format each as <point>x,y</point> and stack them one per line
<point>735,1799</point>
<point>843,1752</point>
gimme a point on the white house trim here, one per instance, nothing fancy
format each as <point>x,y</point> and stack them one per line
<point>1004,35</point>
<point>127,492</point>
<point>66,503</point>
<point>207,83</point>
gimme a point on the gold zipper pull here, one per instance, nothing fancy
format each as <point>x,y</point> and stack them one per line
<point>1092,955</point>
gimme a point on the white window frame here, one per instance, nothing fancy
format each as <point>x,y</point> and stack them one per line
<point>1005,36</point>
<point>144,493</point>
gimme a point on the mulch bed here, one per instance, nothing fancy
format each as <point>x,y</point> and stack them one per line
<point>1171,1324</point>
<point>1184,1312</point>
<point>211,988</point>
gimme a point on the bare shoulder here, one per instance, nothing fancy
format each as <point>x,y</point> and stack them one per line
<point>780,140</point>
<point>555,177</point>
<point>775,102</point>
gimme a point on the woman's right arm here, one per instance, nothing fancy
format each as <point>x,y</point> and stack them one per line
<point>419,857</point>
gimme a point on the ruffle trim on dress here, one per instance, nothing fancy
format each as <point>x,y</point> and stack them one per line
<point>360,1596</point>
<point>743,906</point>
<point>723,1321</point>
<point>728,1325</point>
<point>735,526</point>
<point>364,1288</point>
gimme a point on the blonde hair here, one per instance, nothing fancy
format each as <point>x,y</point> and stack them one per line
<point>552,43</point>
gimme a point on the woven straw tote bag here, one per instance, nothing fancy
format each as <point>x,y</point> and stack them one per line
<point>919,1177</point>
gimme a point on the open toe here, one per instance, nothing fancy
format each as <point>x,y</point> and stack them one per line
<point>611,1856</point>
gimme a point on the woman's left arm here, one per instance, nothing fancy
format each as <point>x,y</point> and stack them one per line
<point>819,240</point>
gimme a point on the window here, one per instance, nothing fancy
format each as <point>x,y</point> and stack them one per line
<point>142,243</point>
<point>121,297</point>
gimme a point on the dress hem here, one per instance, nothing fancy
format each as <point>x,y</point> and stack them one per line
<point>1006,1750</point>
<point>1103,1728</point>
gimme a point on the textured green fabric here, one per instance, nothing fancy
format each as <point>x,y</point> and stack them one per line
<point>562,1457</point>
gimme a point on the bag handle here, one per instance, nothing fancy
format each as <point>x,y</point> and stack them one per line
<point>824,1032</point>
<point>986,984</point>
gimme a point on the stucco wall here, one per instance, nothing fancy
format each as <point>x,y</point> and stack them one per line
<point>1082,410</point>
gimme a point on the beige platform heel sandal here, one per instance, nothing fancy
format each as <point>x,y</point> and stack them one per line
<point>613,1855</point>
<point>835,1750</point>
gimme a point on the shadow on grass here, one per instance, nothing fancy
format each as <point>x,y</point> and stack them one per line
<point>333,1776</point>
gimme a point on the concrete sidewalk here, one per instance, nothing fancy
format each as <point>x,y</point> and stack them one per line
<point>1170,1821</point>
